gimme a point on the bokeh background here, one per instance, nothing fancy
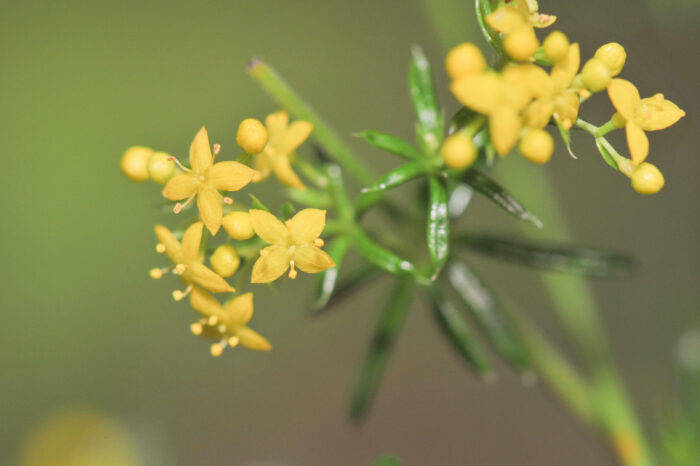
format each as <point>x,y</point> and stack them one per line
<point>83,327</point>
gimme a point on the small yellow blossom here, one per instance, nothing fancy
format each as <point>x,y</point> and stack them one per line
<point>530,10</point>
<point>226,323</point>
<point>647,179</point>
<point>161,167</point>
<point>556,46</point>
<point>295,243</point>
<point>224,260</point>
<point>649,114</point>
<point>187,262</point>
<point>516,20</point>
<point>251,136</point>
<point>237,225</point>
<point>613,55</point>
<point>205,179</point>
<point>596,75</point>
<point>283,140</point>
<point>134,163</point>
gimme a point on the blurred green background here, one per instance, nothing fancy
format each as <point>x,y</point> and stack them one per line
<point>81,324</point>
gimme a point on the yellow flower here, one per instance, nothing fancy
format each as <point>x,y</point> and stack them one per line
<point>650,114</point>
<point>283,141</point>
<point>187,262</point>
<point>226,323</point>
<point>294,243</point>
<point>204,181</point>
<point>530,10</point>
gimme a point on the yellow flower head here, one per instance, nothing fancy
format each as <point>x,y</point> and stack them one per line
<point>517,14</point>
<point>295,243</point>
<point>226,323</point>
<point>205,179</point>
<point>186,260</point>
<point>283,140</point>
<point>650,114</point>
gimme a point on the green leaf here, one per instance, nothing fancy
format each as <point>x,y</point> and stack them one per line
<point>566,137</point>
<point>483,9</point>
<point>391,318</point>
<point>489,188</point>
<point>336,187</point>
<point>488,314</point>
<point>287,211</point>
<point>394,178</point>
<point>257,204</point>
<point>385,259</point>
<point>688,364</point>
<point>605,153</point>
<point>345,286</point>
<point>559,258</point>
<point>462,118</point>
<point>328,278</point>
<point>309,197</point>
<point>430,124</point>
<point>438,233</point>
<point>389,143</point>
<point>387,460</point>
<point>458,331</point>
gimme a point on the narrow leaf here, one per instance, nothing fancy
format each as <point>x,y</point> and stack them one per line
<point>309,197</point>
<point>438,233</point>
<point>605,153</point>
<point>394,178</point>
<point>385,259</point>
<point>391,318</point>
<point>287,211</point>
<point>257,203</point>
<point>489,188</point>
<point>389,143</point>
<point>570,259</point>
<point>489,315</point>
<point>345,286</point>
<point>328,278</point>
<point>462,118</point>
<point>430,124</point>
<point>458,331</point>
<point>566,137</point>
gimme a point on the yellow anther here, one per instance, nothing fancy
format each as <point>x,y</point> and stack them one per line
<point>160,248</point>
<point>155,273</point>
<point>212,320</point>
<point>318,242</point>
<point>178,295</point>
<point>196,328</point>
<point>233,341</point>
<point>180,269</point>
<point>216,349</point>
<point>293,272</point>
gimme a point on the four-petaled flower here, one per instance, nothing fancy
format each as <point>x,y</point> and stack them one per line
<point>283,141</point>
<point>187,261</point>
<point>295,243</point>
<point>649,114</point>
<point>205,179</point>
<point>226,323</point>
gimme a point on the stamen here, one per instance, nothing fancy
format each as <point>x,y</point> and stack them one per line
<point>292,271</point>
<point>178,207</point>
<point>179,164</point>
<point>263,253</point>
<point>217,149</point>
<point>179,295</point>
<point>197,328</point>
<point>179,269</point>
<point>217,348</point>
<point>228,200</point>
<point>221,328</point>
<point>233,341</point>
<point>318,242</point>
<point>257,176</point>
<point>160,248</point>
<point>156,273</point>
<point>213,320</point>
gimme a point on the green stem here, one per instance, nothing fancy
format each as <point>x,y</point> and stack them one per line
<point>597,132</point>
<point>323,134</point>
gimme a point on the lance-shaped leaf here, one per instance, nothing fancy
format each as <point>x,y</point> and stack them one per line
<point>457,330</point>
<point>492,190</point>
<point>430,124</point>
<point>385,259</point>
<point>391,318</point>
<point>438,230</point>
<point>394,178</point>
<point>309,197</point>
<point>287,211</point>
<point>328,278</point>
<point>566,137</point>
<point>571,259</point>
<point>462,118</point>
<point>488,314</point>
<point>389,143</point>
<point>257,203</point>
<point>604,148</point>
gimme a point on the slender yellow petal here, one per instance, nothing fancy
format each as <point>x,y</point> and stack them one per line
<point>638,143</point>
<point>191,241</point>
<point>263,165</point>
<point>172,246</point>
<point>656,113</point>
<point>506,20</point>
<point>230,176</point>
<point>204,302</point>
<point>209,205</point>
<point>277,122</point>
<point>239,310</point>
<point>480,92</point>
<point>521,83</point>
<point>252,339</point>
<point>295,135</point>
<point>307,225</point>
<point>564,72</point>
<point>284,173</point>
<point>273,262</point>
<point>504,126</point>
<point>566,108</point>
<point>201,275</point>
<point>538,114</point>
<point>624,97</point>
<point>200,151</point>
<point>180,187</point>
<point>311,259</point>
<point>269,228</point>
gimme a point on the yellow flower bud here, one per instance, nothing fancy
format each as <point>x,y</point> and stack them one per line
<point>160,168</point>
<point>251,136</point>
<point>458,151</point>
<point>134,163</point>
<point>464,59</point>
<point>613,55</point>
<point>596,75</point>
<point>238,225</point>
<point>556,46</point>
<point>224,260</point>
<point>647,179</point>
<point>521,44</point>
<point>537,146</point>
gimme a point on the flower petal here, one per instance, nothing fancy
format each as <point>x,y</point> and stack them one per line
<point>277,122</point>
<point>306,225</point>
<point>209,205</point>
<point>637,142</point>
<point>624,97</point>
<point>239,310</point>
<point>311,259</point>
<point>230,176</point>
<point>564,71</point>
<point>295,135</point>
<point>480,92</point>
<point>273,262</point>
<point>656,113</point>
<point>506,19</point>
<point>203,276</point>
<point>204,302</point>
<point>269,228</point>
<point>200,151</point>
<point>252,339</point>
<point>263,165</point>
<point>172,246</point>
<point>191,241</point>
<point>284,173</point>
<point>504,126</point>
<point>179,187</point>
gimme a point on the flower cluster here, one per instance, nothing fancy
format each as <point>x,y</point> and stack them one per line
<point>539,85</point>
<point>253,236</point>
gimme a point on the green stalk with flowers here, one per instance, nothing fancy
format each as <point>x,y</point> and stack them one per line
<point>531,88</point>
